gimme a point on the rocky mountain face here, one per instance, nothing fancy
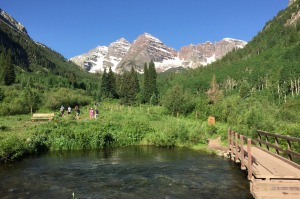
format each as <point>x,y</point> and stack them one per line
<point>103,57</point>
<point>10,21</point>
<point>194,55</point>
<point>121,55</point>
<point>144,49</point>
<point>226,45</point>
<point>291,2</point>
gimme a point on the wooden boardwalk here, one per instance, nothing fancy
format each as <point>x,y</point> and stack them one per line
<point>271,175</point>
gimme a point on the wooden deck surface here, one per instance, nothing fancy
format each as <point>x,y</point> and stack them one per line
<point>274,177</point>
<point>275,189</point>
<point>271,167</point>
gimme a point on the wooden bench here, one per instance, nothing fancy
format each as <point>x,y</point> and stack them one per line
<point>42,116</point>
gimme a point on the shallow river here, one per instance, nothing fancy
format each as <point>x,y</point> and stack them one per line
<point>131,172</point>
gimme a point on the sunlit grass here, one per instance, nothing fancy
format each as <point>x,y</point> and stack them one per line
<point>117,125</point>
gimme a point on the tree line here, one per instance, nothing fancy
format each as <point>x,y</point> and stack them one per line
<point>130,87</point>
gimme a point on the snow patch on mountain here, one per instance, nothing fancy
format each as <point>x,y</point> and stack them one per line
<point>168,64</point>
<point>103,57</point>
<point>120,55</point>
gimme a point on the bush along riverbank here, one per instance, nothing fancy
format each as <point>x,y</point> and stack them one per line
<point>116,126</point>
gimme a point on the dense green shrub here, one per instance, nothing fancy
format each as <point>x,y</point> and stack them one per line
<point>11,148</point>
<point>178,102</point>
<point>66,97</point>
<point>13,103</point>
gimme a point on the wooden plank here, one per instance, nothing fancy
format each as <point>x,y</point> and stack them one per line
<point>42,116</point>
<point>276,166</point>
<point>271,175</point>
<point>281,158</point>
<point>246,155</point>
<point>275,189</point>
<point>269,167</point>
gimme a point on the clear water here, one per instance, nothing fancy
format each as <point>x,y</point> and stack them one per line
<point>131,172</point>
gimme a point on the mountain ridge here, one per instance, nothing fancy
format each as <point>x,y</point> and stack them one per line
<point>146,48</point>
<point>10,21</point>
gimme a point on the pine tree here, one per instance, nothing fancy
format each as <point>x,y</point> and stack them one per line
<point>2,64</point>
<point>150,86</point>
<point>105,90</point>
<point>73,79</point>
<point>126,92</point>
<point>136,80</point>
<point>112,84</point>
<point>153,77</point>
<point>129,87</point>
<point>1,94</point>
<point>146,84</point>
<point>9,75</point>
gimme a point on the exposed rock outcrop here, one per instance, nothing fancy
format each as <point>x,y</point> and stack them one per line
<point>121,55</point>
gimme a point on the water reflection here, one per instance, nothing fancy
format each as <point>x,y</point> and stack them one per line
<point>131,172</point>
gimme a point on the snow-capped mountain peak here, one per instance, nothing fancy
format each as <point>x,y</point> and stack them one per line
<point>102,57</point>
<point>121,55</point>
<point>146,48</point>
<point>150,37</point>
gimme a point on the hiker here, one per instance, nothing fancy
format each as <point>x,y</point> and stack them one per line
<point>62,110</point>
<point>96,113</point>
<point>91,113</point>
<point>69,111</point>
<point>77,111</point>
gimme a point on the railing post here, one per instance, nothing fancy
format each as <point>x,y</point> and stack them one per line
<point>267,141</point>
<point>276,143</point>
<point>236,158</point>
<point>232,144</point>
<point>249,159</point>
<point>289,149</point>
<point>228,140</point>
<point>259,138</point>
<point>242,153</point>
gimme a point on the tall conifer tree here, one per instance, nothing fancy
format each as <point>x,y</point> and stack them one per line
<point>9,75</point>
<point>129,87</point>
<point>146,92</point>
<point>2,63</point>
<point>104,90</point>
<point>1,94</point>
<point>150,86</point>
<point>136,80</point>
<point>153,77</point>
<point>112,84</point>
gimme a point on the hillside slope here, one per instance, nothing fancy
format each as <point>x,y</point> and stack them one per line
<point>36,72</point>
<point>257,87</point>
<point>271,60</point>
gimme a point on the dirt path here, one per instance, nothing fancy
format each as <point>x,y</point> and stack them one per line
<point>215,144</point>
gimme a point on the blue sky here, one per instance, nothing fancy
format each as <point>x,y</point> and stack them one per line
<point>73,27</point>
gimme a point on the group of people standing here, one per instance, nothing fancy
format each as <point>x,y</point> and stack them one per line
<point>77,111</point>
<point>93,113</point>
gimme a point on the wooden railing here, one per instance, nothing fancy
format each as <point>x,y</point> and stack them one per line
<point>238,153</point>
<point>264,139</point>
<point>243,155</point>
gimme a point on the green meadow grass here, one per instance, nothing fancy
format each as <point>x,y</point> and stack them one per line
<point>116,126</point>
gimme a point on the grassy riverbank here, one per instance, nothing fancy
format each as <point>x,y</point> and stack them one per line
<point>116,126</point>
